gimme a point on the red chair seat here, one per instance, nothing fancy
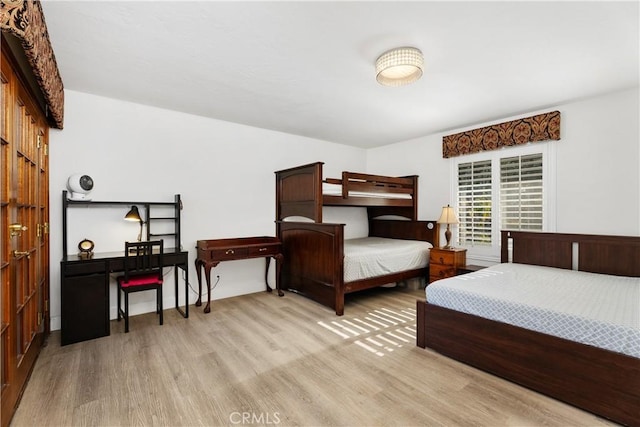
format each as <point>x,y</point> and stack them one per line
<point>148,279</point>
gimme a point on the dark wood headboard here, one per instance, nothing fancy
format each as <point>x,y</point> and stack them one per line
<point>616,255</point>
<point>427,231</point>
<point>299,192</point>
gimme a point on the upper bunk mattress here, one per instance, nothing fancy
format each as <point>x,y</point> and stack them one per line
<point>376,256</point>
<point>336,190</point>
<point>594,309</point>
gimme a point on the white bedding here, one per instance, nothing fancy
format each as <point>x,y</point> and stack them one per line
<point>376,256</point>
<point>336,190</point>
<point>594,309</point>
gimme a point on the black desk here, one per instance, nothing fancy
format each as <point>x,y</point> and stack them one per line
<point>85,292</point>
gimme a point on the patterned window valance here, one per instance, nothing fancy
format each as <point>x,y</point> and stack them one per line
<point>541,127</point>
<point>25,20</point>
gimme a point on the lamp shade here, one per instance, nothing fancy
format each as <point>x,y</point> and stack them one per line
<point>399,66</point>
<point>133,214</point>
<point>448,216</point>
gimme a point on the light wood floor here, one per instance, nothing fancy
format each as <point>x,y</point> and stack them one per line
<point>263,360</point>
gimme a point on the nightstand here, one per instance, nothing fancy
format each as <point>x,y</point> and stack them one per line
<point>445,263</point>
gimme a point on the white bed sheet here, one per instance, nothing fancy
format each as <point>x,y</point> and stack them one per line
<point>376,256</point>
<point>594,309</point>
<point>336,190</point>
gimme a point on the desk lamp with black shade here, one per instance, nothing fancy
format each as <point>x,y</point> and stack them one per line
<point>134,215</point>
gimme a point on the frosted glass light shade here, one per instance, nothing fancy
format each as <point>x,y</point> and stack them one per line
<point>399,66</point>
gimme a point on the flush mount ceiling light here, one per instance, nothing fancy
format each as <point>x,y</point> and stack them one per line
<point>399,66</point>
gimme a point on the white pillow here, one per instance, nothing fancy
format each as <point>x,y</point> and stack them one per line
<point>297,219</point>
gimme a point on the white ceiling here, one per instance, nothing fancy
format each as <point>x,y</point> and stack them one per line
<point>307,68</point>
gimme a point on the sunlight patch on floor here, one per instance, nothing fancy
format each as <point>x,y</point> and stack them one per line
<point>388,329</point>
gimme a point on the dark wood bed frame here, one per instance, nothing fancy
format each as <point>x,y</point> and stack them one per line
<point>603,382</point>
<point>314,251</point>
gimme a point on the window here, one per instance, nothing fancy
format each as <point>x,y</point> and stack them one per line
<point>502,189</point>
<point>521,192</point>
<point>474,202</point>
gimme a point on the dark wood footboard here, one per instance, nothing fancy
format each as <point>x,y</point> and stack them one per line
<point>314,254</point>
<point>314,266</point>
<point>600,381</point>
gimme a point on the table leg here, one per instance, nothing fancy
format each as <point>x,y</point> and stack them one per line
<point>199,273</point>
<point>176,272</point>
<point>279,258</point>
<point>207,275</point>
<point>266,273</point>
<point>175,282</point>
<point>186,291</point>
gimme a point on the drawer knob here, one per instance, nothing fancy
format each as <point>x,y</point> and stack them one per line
<point>441,260</point>
<point>262,249</point>
<point>229,252</point>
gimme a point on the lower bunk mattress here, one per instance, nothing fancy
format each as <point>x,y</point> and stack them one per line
<point>376,256</point>
<point>589,308</point>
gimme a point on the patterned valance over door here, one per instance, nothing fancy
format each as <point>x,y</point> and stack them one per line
<point>25,20</point>
<point>542,127</point>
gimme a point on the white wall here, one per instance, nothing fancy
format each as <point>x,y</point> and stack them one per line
<point>225,175</point>
<point>223,171</point>
<point>598,163</point>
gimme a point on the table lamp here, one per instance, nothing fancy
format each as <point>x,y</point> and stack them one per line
<point>448,217</point>
<point>134,215</point>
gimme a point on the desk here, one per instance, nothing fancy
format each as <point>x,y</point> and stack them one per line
<point>212,252</point>
<point>85,292</point>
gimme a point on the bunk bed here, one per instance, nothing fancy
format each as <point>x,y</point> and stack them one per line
<point>576,361</point>
<point>314,251</point>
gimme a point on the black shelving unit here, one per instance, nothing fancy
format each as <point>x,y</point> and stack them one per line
<point>147,209</point>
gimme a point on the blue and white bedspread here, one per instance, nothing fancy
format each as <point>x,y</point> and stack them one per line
<point>594,309</point>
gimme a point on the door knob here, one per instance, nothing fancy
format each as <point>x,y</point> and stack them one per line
<point>17,254</point>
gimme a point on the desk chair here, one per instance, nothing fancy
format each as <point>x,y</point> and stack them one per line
<point>142,272</point>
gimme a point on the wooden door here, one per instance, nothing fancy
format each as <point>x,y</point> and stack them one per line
<point>24,261</point>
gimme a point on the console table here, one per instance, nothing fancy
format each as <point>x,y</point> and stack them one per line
<point>212,252</point>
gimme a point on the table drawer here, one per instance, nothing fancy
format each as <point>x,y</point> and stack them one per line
<point>228,254</point>
<point>442,258</point>
<point>437,271</point>
<point>84,267</point>
<point>266,250</point>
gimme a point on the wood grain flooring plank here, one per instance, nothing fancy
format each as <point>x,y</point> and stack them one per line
<point>262,360</point>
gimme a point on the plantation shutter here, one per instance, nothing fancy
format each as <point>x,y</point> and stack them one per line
<point>521,192</point>
<point>474,202</point>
